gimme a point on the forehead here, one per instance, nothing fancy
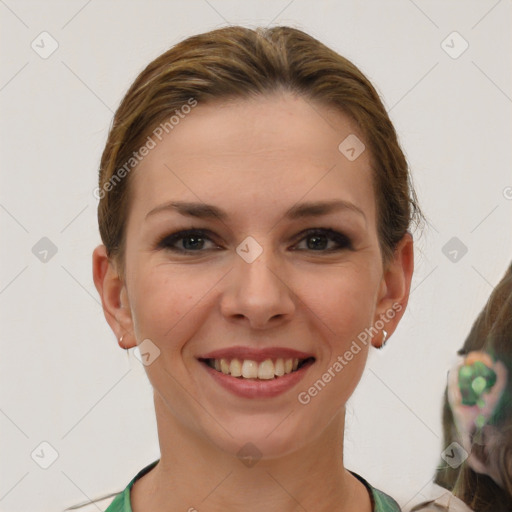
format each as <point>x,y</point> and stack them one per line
<point>255,153</point>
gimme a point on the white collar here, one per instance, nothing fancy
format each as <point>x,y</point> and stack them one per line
<point>444,499</point>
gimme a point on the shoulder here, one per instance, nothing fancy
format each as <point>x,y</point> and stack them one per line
<point>438,499</point>
<point>97,505</point>
<point>117,502</point>
<point>381,501</point>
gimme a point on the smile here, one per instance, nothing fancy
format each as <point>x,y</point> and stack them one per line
<point>249,369</point>
<point>255,373</point>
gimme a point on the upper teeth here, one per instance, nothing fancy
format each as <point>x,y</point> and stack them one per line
<point>252,370</point>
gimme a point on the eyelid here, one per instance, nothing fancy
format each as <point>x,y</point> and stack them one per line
<point>339,237</point>
<point>180,234</point>
<point>344,241</point>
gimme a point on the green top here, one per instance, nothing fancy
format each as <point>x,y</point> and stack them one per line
<point>380,502</point>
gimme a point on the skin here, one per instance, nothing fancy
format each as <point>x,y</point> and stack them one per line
<point>254,159</point>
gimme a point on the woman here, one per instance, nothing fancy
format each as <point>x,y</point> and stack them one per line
<point>254,212</point>
<point>477,416</point>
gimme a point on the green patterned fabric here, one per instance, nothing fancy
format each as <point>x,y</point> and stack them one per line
<point>381,502</point>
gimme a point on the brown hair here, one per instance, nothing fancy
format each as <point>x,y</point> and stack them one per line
<point>492,333</point>
<point>238,62</point>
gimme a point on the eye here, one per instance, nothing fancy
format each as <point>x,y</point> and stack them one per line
<point>196,240</point>
<point>192,240</point>
<point>318,239</point>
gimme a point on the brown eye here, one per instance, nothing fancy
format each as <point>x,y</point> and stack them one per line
<point>191,240</point>
<point>318,240</point>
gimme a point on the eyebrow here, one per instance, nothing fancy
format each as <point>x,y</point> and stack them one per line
<point>308,209</point>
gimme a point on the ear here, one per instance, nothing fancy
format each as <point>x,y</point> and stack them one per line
<point>114,297</point>
<point>394,290</point>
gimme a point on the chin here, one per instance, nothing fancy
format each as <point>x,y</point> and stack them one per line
<point>267,438</point>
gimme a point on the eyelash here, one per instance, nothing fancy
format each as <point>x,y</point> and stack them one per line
<point>342,240</point>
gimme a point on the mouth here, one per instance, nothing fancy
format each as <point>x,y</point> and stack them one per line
<point>268,369</point>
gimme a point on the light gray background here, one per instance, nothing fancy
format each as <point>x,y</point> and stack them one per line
<point>65,381</point>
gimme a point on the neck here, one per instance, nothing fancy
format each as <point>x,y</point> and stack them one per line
<point>194,474</point>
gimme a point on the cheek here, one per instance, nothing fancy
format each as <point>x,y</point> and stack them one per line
<point>344,300</point>
<point>161,300</point>
<point>347,304</point>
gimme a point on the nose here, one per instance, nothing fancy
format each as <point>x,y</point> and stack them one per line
<point>257,293</point>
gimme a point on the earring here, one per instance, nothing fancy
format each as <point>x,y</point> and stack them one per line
<point>384,337</point>
<point>121,342</point>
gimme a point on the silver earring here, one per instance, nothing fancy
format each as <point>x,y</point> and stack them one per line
<point>384,337</point>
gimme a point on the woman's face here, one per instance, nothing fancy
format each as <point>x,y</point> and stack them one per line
<point>287,265</point>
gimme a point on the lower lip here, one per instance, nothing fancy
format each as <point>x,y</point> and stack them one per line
<point>258,388</point>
